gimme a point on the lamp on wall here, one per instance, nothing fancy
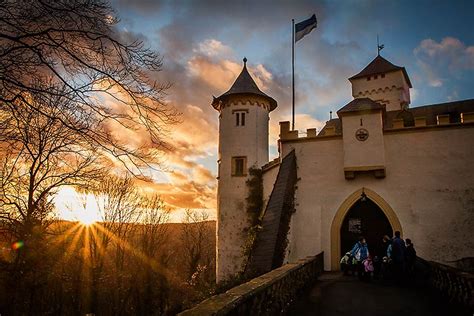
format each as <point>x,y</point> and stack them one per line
<point>363,196</point>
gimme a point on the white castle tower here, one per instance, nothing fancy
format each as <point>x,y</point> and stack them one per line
<point>384,83</point>
<point>243,143</point>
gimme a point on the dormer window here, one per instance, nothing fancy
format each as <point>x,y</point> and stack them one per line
<point>240,116</point>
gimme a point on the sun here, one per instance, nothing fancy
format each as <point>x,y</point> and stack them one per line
<point>87,217</point>
<point>89,213</point>
<point>82,208</point>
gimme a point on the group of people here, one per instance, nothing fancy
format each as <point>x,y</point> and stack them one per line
<point>396,260</point>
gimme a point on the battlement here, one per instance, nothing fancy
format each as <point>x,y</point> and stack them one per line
<point>311,133</point>
<point>438,120</point>
<point>333,127</point>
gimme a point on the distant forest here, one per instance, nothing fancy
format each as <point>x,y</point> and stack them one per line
<point>119,269</point>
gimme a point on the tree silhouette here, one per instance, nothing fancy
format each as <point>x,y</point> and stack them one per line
<point>74,49</point>
<point>71,85</point>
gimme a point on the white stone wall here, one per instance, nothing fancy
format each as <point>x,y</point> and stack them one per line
<point>429,184</point>
<point>363,153</point>
<point>392,90</point>
<point>251,141</point>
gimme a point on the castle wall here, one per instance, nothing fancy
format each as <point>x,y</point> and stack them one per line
<point>429,184</point>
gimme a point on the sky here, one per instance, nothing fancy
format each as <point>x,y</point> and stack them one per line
<point>203,43</point>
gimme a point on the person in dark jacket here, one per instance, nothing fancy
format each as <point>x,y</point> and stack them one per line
<point>410,257</point>
<point>398,257</point>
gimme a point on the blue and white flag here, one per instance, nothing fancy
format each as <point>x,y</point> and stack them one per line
<point>305,27</point>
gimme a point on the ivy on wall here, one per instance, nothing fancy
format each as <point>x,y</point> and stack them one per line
<point>254,210</point>
<point>254,214</point>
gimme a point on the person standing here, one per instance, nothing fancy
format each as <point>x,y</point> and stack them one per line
<point>386,255</point>
<point>360,252</point>
<point>387,242</point>
<point>410,257</point>
<point>398,257</point>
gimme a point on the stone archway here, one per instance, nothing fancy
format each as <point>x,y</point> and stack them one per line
<point>342,212</point>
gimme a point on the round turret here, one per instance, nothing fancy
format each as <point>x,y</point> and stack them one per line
<point>243,144</point>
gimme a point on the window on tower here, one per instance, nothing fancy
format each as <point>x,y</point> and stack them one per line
<point>239,166</point>
<point>240,117</point>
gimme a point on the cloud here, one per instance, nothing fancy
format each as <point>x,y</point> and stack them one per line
<point>212,47</point>
<point>142,6</point>
<point>186,195</point>
<point>217,75</point>
<point>445,59</point>
<point>203,44</point>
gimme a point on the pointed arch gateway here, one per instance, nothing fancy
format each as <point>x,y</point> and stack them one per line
<point>343,211</point>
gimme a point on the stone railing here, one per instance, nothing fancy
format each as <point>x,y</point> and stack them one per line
<point>453,284</point>
<point>268,294</point>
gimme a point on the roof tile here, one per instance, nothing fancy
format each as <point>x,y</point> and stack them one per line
<point>378,66</point>
<point>244,84</point>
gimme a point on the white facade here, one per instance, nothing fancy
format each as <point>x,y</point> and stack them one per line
<point>429,184</point>
<point>392,90</point>
<point>421,177</point>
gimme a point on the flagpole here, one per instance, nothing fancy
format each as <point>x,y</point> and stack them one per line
<point>293,73</point>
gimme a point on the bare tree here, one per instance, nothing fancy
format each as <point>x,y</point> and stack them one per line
<point>153,233</point>
<point>119,204</point>
<point>74,48</point>
<point>152,292</point>
<point>196,244</point>
<point>130,235</point>
<point>40,155</point>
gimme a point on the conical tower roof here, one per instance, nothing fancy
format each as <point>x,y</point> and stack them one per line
<point>378,66</point>
<point>244,84</point>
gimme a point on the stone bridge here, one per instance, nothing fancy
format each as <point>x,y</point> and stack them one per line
<point>302,288</point>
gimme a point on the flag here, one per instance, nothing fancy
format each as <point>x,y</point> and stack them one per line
<point>305,27</point>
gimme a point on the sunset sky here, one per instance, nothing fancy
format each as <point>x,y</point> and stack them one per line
<point>203,43</point>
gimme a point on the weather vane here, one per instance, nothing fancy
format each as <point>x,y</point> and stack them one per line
<point>379,47</point>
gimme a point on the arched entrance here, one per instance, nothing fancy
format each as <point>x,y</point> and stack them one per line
<point>371,217</point>
<point>366,219</point>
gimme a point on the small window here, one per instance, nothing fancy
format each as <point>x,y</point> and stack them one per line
<point>240,118</point>
<point>382,75</point>
<point>375,77</point>
<point>239,166</point>
<point>368,78</point>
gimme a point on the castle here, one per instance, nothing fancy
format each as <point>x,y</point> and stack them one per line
<point>379,167</point>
